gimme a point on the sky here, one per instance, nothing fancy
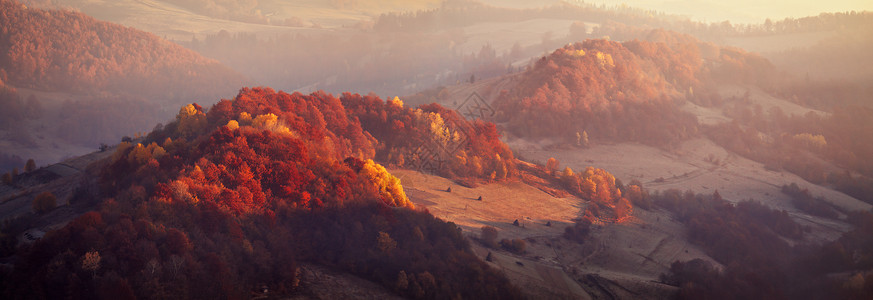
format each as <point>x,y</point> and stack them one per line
<point>743,11</point>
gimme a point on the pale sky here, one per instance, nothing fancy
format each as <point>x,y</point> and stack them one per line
<point>743,11</point>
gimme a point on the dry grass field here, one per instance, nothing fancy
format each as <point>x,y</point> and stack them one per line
<point>621,259</point>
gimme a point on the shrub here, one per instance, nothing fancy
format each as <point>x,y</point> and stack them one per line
<point>515,245</point>
<point>44,202</point>
<point>489,236</point>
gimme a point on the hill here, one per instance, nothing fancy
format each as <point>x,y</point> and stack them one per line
<point>239,196</point>
<point>66,51</point>
<point>261,193</point>
<point>75,81</point>
<point>626,91</point>
<point>671,89</point>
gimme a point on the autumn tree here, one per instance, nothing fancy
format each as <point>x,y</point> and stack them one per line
<point>388,186</point>
<point>402,281</point>
<point>552,165</point>
<point>30,165</point>
<point>489,236</point>
<point>514,245</point>
<point>385,243</point>
<point>91,262</point>
<point>44,202</point>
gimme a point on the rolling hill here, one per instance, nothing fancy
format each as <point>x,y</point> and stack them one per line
<point>657,167</point>
<point>78,82</point>
<point>242,195</point>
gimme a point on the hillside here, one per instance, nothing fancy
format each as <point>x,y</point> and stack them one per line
<point>242,195</point>
<point>672,89</point>
<point>630,163</point>
<point>267,182</point>
<point>70,52</point>
<point>626,91</point>
<point>73,81</point>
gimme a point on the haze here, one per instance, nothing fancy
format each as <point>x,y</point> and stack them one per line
<point>432,149</point>
<point>743,11</point>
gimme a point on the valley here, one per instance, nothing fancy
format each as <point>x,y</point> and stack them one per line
<point>431,150</point>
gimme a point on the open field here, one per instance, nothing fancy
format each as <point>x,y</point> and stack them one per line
<point>627,258</point>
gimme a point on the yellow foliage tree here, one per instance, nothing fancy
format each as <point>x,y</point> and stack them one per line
<point>396,102</point>
<point>552,165</point>
<point>440,133</point>
<point>120,150</point>
<point>817,141</point>
<point>270,122</point>
<point>568,172</point>
<point>139,155</point>
<point>245,118</point>
<point>389,187</point>
<point>190,121</point>
<point>232,125</point>
<point>589,188</point>
<point>265,121</point>
<point>605,59</point>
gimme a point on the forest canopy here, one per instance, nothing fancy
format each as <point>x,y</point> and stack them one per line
<point>224,201</point>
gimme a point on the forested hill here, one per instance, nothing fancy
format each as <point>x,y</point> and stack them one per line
<point>627,91</point>
<point>71,82</point>
<point>229,201</point>
<point>67,51</point>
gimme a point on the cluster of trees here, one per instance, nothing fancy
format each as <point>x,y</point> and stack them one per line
<point>749,240</point>
<point>803,200</point>
<point>807,145</point>
<point>488,237</point>
<point>602,190</point>
<point>10,177</point>
<point>822,22</point>
<point>604,193</point>
<point>746,238</point>
<point>838,269</point>
<point>409,137</point>
<point>220,203</point>
<point>745,230</point>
